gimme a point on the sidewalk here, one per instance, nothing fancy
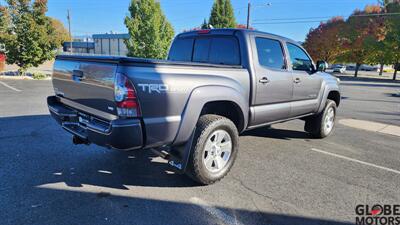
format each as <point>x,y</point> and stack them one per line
<point>45,68</point>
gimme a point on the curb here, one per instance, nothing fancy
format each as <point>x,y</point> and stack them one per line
<point>372,126</point>
<point>21,78</point>
<point>15,77</point>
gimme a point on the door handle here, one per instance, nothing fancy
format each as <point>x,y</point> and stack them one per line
<point>264,80</point>
<point>297,80</point>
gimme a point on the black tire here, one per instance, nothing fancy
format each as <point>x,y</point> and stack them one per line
<point>315,125</point>
<point>205,127</point>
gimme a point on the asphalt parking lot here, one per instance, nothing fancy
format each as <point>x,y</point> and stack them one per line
<point>282,176</point>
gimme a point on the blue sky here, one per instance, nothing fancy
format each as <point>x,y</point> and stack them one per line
<point>290,18</point>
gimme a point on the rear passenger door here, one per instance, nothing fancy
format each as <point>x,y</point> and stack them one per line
<point>273,84</point>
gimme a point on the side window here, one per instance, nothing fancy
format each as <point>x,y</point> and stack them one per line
<point>181,50</point>
<point>201,50</point>
<point>270,53</point>
<point>225,50</point>
<point>299,59</point>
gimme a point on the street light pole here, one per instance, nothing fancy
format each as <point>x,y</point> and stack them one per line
<point>248,15</point>
<point>69,28</point>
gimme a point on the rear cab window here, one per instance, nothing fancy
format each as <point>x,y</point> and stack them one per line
<point>222,50</point>
<point>201,50</point>
<point>181,50</point>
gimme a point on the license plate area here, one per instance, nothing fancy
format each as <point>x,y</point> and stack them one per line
<point>87,121</point>
<point>83,119</point>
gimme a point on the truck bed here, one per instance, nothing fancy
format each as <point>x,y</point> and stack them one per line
<point>139,61</point>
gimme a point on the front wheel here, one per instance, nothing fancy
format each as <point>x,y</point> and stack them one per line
<point>323,124</point>
<point>214,149</point>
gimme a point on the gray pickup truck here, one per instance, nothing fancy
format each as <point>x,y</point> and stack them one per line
<point>192,107</point>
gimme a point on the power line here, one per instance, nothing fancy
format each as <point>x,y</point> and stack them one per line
<point>375,14</point>
<point>326,17</point>
<point>289,22</point>
<point>295,18</point>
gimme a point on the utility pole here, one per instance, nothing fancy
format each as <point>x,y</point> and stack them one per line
<point>248,15</point>
<point>69,28</point>
<point>249,11</point>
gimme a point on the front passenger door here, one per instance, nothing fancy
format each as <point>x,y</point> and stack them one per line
<point>306,83</point>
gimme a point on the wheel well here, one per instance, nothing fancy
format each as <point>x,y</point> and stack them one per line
<point>226,109</point>
<point>335,96</point>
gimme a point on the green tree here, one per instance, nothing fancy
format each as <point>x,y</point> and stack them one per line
<point>29,37</point>
<point>4,25</point>
<point>149,30</point>
<point>377,53</point>
<point>323,42</point>
<point>392,39</point>
<point>222,15</point>
<point>205,25</point>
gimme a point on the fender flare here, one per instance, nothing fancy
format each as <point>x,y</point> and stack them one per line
<point>198,98</point>
<point>328,88</point>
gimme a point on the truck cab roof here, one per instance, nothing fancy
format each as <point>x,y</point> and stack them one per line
<point>231,31</point>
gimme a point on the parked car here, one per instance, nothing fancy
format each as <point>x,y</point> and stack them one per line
<point>339,69</point>
<point>351,67</point>
<point>368,68</point>
<point>191,108</point>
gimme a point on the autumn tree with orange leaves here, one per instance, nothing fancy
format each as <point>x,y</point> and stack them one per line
<point>368,36</point>
<point>324,42</point>
<point>361,27</point>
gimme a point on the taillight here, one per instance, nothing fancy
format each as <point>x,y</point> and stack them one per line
<point>125,97</point>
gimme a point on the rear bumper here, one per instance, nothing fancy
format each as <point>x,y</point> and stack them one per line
<point>122,134</point>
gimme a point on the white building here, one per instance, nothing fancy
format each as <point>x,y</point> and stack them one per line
<point>110,44</point>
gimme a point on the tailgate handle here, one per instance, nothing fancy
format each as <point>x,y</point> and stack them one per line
<point>77,73</point>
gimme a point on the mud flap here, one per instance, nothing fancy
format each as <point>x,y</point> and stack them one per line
<point>179,155</point>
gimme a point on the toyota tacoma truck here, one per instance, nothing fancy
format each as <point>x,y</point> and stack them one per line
<point>192,107</point>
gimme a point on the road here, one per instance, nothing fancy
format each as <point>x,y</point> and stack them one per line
<point>281,176</point>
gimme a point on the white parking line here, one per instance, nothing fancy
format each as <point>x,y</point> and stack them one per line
<point>12,88</point>
<point>356,160</point>
<point>225,218</point>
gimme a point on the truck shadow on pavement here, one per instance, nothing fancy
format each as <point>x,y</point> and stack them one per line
<point>65,207</point>
<point>48,154</point>
<point>56,159</point>
<point>45,179</point>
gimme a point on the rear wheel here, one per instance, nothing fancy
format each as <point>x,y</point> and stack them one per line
<point>323,124</point>
<point>214,149</point>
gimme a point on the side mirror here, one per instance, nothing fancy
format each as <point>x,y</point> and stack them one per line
<point>322,65</point>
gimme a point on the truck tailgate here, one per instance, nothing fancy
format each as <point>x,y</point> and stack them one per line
<point>86,83</point>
